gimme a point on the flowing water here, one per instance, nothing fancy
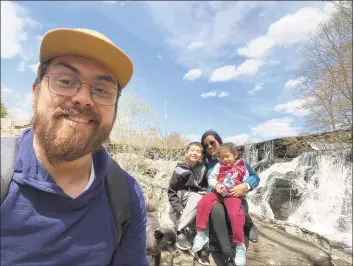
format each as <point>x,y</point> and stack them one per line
<point>324,179</point>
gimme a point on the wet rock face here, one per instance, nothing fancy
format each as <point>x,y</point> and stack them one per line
<point>291,147</point>
<point>284,198</point>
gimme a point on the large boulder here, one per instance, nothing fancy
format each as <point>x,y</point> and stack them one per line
<point>284,197</point>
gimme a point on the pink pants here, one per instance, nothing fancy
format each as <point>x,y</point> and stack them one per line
<point>234,210</point>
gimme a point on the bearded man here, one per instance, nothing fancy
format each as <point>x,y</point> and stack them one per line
<point>57,210</point>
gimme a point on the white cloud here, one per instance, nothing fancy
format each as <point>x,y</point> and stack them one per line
<point>19,106</point>
<point>5,91</point>
<point>293,107</point>
<point>257,48</point>
<point>248,68</point>
<point>109,2</point>
<point>224,73</point>
<point>233,114</point>
<point>241,139</point>
<point>278,127</point>
<point>258,87</point>
<point>292,83</point>
<point>19,113</point>
<point>223,94</point>
<point>12,29</point>
<point>286,31</point>
<point>21,67</point>
<point>195,45</point>
<point>193,74</point>
<point>159,56</point>
<point>34,67</point>
<point>214,94</point>
<point>189,24</point>
<point>39,38</point>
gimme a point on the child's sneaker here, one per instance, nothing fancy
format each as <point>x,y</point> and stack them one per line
<point>240,257</point>
<point>199,241</point>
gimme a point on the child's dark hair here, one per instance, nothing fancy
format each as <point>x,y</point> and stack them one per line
<point>230,147</point>
<point>194,143</point>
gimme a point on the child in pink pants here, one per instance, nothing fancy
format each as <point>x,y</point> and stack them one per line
<point>228,173</point>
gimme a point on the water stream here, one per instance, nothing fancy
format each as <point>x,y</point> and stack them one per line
<point>313,190</point>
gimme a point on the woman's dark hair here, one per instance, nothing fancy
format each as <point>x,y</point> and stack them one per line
<point>207,133</point>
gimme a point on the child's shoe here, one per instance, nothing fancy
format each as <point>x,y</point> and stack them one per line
<point>199,241</point>
<point>240,257</point>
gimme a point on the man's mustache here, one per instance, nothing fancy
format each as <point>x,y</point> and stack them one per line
<point>87,112</point>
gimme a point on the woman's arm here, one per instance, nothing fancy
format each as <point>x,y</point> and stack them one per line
<point>252,180</point>
<point>212,179</point>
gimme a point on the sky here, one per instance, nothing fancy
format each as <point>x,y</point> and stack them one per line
<point>227,66</point>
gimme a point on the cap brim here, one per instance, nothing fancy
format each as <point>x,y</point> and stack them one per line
<point>74,42</point>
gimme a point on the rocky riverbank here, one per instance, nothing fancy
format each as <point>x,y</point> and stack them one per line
<point>287,167</point>
<point>281,243</point>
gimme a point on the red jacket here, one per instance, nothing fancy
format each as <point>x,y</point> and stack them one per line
<point>237,171</point>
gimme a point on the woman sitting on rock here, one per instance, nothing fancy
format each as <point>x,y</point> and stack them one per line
<point>211,142</point>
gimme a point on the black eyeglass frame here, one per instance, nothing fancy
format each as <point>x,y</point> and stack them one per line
<point>119,89</point>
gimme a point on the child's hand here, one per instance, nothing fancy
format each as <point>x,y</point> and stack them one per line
<point>219,188</point>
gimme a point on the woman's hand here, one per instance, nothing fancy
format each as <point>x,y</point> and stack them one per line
<point>219,189</point>
<point>239,190</point>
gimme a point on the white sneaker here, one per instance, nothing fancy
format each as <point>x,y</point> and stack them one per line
<point>240,257</point>
<point>199,241</point>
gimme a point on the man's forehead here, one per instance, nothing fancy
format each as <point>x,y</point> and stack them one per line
<point>78,64</point>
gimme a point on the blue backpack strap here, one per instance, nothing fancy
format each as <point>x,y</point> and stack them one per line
<point>9,148</point>
<point>119,198</point>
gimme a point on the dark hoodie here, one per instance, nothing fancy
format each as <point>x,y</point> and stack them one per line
<point>185,177</point>
<point>41,225</point>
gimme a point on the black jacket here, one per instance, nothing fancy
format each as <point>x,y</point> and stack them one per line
<point>186,178</point>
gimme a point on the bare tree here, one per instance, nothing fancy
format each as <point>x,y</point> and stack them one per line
<point>327,90</point>
<point>3,112</point>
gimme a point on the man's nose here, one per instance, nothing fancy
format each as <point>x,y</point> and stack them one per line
<point>83,96</point>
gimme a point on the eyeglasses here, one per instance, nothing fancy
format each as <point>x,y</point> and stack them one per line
<point>67,85</point>
<point>211,143</point>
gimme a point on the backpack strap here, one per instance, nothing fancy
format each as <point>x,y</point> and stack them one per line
<point>119,198</point>
<point>117,187</point>
<point>9,148</point>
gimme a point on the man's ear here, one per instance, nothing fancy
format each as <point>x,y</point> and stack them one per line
<point>34,94</point>
<point>34,86</point>
<point>158,234</point>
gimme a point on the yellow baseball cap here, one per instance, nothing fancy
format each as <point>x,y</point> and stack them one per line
<point>90,44</point>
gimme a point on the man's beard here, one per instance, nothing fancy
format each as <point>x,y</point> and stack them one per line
<point>76,143</point>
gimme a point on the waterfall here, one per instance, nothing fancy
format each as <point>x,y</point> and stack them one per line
<point>313,190</point>
<point>251,153</point>
<point>259,152</point>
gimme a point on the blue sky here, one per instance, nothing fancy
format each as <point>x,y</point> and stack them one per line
<point>230,66</point>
